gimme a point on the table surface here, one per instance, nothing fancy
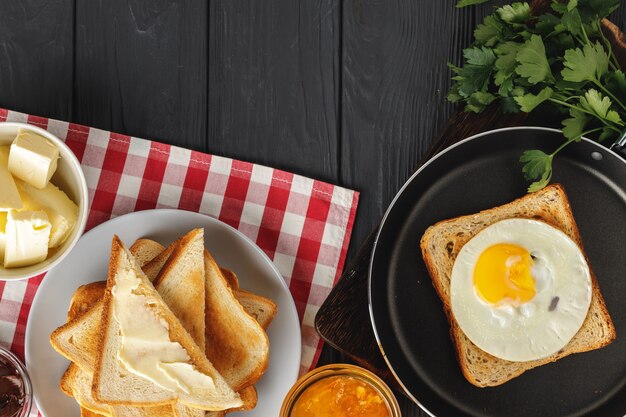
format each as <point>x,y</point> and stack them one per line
<point>351,92</point>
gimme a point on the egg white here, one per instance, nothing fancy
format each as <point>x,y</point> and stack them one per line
<point>529,331</point>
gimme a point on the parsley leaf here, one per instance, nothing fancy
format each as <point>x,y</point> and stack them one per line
<point>465,3</point>
<point>573,127</point>
<point>475,75</point>
<point>529,101</point>
<point>597,9</point>
<point>488,32</point>
<point>559,7</point>
<point>533,61</point>
<point>537,166</point>
<point>508,105</point>
<point>593,102</point>
<point>606,134</point>
<point>615,82</point>
<point>588,64</point>
<point>479,56</point>
<point>514,13</point>
<point>505,64</point>
<point>572,22</point>
<point>478,101</point>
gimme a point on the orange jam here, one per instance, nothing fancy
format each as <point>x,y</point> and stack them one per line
<point>340,396</point>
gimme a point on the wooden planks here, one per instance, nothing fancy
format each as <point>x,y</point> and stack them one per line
<point>141,69</point>
<point>274,83</point>
<point>395,81</point>
<point>36,53</point>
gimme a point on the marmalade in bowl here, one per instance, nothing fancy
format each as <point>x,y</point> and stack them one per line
<point>340,396</point>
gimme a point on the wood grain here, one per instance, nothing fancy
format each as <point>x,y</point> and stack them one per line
<point>141,69</point>
<point>395,83</point>
<point>36,53</point>
<point>273,83</point>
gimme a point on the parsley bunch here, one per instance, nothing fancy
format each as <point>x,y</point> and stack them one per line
<point>560,57</point>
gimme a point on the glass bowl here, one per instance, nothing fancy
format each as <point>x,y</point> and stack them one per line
<point>318,375</point>
<point>16,393</point>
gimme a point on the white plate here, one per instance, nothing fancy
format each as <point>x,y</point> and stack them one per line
<point>88,262</point>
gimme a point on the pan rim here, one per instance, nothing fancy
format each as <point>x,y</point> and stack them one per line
<point>391,207</point>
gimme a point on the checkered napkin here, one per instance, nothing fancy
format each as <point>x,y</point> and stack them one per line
<point>303,225</point>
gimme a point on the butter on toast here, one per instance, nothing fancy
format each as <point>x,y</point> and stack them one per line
<point>76,381</point>
<point>136,390</point>
<point>440,246</point>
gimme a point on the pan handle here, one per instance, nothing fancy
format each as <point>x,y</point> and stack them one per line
<point>619,147</point>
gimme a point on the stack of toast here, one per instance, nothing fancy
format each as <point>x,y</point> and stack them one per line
<point>220,327</point>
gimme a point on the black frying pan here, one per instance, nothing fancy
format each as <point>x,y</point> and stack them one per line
<point>407,315</point>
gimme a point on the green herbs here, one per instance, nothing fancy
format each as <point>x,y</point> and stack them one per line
<point>560,58</point>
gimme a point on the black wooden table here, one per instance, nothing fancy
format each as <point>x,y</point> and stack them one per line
<point>351,92</point>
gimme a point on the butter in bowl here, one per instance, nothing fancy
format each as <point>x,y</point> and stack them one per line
<point>43,203</point>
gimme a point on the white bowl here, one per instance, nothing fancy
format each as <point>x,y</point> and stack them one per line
<point>68,177</point>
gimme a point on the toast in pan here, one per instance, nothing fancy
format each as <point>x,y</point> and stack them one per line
<point>442,242</point>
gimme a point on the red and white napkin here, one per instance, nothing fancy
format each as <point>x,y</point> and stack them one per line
<point>303,225</point>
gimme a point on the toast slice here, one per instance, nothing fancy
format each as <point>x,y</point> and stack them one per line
<point>260,308</point>
<point>440,246</point>
<point>181,283</point>
<point>84,412</point>
<point>77,339</point>
<point>231,278</point>
<point>155,265</point>
<point>145,250</point>
<point>136,390</point>
<point>236,344</point>
<point>76,382</point>
<point>84,297</point>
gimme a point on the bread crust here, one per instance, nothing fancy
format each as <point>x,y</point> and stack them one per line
<point>550,205</point>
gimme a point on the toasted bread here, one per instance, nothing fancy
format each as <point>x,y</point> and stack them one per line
<point>236,344</point>
<point>181,284</point>
<point>84,297</point>
<point>78,336</point>
<point>440,246</point>
<point>77,339</point>
<point>155,265</point>
<point>145,250</point>
<point>260,308</point>
<point>136,390</point>
<point>84,412</point>
<point>231,278</point>
<point>77,382</point>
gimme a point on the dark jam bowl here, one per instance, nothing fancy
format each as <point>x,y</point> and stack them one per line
<point>16,393</point>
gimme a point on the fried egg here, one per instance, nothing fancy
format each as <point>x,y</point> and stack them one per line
<point>520,289</point>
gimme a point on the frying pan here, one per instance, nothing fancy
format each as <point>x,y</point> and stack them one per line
<point>407,315</point>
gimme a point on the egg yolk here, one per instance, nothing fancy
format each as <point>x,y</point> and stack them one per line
<point>502,275</point>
